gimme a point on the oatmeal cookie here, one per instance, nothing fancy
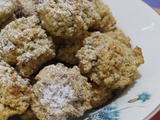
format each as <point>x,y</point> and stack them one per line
<point>60,93</point>
<point>6,10</point>
<point>14,92</point>
<point>109,62</point>
<point>70,19</point>
<point>25,44</point>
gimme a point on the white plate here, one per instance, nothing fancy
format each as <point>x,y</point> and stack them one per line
<point>142,24</point>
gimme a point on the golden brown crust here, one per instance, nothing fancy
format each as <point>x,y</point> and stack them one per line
<point>25,44</point>
<point>6,10</point>
<point>119,35</point>
<point>60,93</point>
<point>108,61</point>
<point>14,92</point>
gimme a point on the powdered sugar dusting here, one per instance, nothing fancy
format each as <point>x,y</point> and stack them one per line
<point>61,92</point>
<point>5,3</point>
<point>59,95</point>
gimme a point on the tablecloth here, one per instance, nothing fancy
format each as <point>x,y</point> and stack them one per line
<point>155,4</point>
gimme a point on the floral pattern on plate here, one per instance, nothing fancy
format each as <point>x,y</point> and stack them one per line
<point>112,111</point>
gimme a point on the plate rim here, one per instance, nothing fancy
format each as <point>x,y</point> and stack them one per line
<point>157,107</point>
<point>153,113</point>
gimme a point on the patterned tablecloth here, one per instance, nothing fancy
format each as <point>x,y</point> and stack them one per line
<point>155,4</point>
<point>157,116</point>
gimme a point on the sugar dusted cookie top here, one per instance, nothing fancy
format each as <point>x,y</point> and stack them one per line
<point>60,93</point>
<point>25,44</point>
